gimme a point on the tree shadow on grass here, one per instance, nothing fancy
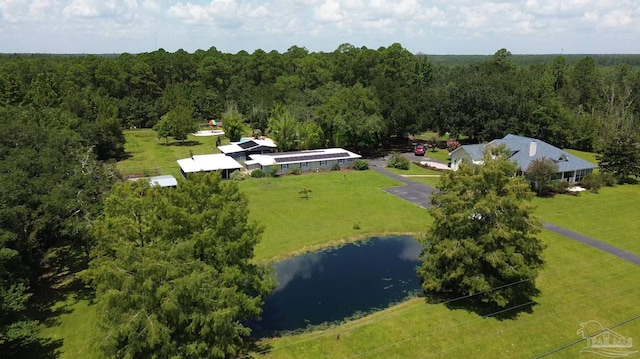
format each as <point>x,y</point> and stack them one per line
<point>43,348</point>
<point>474,304</point>
<point>59,286</point>
<point>189,143</point>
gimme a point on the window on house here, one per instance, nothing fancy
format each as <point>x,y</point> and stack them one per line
<point>304,164</point>
<point>323,163</point>
<point>341,161</point>
<point>284,167</point>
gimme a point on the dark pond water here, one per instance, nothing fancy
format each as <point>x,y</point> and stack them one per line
<point>336,284</point>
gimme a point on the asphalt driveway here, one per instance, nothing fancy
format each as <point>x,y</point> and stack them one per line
<point>420,194</point>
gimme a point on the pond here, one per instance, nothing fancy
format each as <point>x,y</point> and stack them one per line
<point>339,283</point>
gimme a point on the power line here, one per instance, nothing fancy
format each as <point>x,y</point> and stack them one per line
<point>393,315</point>
<point>465,323</point>
<point>572,343</point>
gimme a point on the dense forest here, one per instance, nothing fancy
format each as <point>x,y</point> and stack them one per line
<point>62,117</point>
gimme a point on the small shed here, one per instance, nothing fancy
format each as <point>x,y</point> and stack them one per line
<point>163,181</point>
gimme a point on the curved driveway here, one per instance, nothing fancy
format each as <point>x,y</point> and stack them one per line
<point>420,194</point>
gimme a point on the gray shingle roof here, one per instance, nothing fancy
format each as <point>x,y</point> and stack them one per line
<point>520,147</point>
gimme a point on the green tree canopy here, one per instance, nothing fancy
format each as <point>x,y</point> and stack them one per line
<point>173,271</point>
<point>540,171</point>
<point>483,239</point>
<point>177,123</point>
<point>621,157</point>
<point>233,124</point>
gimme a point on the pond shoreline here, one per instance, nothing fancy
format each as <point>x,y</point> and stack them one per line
<point>334,244</point>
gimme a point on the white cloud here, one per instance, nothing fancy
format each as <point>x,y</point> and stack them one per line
<point>452,26</point>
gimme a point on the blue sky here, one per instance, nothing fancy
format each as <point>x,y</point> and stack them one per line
<point>431,27</point>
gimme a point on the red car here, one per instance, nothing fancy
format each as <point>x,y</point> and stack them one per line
<point>419,151</point>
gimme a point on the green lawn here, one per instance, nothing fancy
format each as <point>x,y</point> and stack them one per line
<point>611,215</point>
<point>578,284</point>
<point>76,326</point>
<point>337,210</point>
<point>150,156</point>
<point>440,154</point>
<point>587,156</point>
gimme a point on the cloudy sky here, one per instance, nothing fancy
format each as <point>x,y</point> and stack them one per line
<point>431,27</point>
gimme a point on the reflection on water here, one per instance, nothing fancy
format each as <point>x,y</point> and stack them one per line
<point>335,284</point>
<point>301,266</point>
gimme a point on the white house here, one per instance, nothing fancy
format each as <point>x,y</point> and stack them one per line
<point>207,163</point>
<point>311,160</point>
<point>243,149</point>
<point>524,150</point>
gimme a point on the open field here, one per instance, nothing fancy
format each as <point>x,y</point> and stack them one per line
<point>337,210</point>
<point>578,284</point>
<point>150,156</point>
<point>611,216</point>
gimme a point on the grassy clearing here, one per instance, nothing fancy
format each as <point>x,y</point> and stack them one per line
<point>337,210</point>
<point>429,181</point>
<point>76,326</point>
<point>587,156</point>
<point>610,216</point>
<point>439,154</point>
<point>573,288</point>
<point>150,156</point>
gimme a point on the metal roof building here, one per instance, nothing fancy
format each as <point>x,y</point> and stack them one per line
<point>207,163</point>
<point>524,150</point>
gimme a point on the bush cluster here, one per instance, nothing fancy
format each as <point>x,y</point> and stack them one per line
<point>237,176</point>
<point>258,173</point>
<point>398,161</point>
<point>295,171</point>
<point>335,167</point>
<point>360,165</point>
<point>594,181</point>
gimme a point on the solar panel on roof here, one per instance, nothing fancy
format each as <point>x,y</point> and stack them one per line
<point>324,156</point>
<point>247,144</point>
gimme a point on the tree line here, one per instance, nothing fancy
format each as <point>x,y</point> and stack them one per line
<point>352,97</point>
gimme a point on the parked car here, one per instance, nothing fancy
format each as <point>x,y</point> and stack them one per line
<point>419,150</point>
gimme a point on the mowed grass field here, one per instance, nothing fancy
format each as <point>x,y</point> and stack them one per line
<point>337,210</point>
<point>612,216</point>
<point>579,284</point>
<point>147,155</point>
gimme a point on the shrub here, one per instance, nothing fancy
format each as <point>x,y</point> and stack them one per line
<point>398,161</point>
<point>273,172</point>
<point>592,182</point>
<point>608,179</point>
<point>295,171</point>
<point>360,165</point>
<point>335,167</point>
<point>558,186</point>
<point>258,173</point>
<point>237,176</point>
